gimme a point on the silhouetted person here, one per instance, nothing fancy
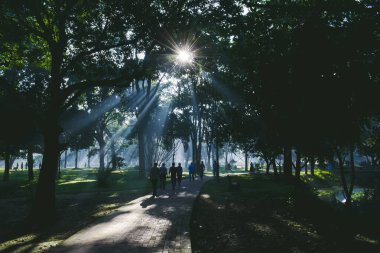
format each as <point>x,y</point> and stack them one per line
<point>154,175</point>
<point>191,171</point>
<point>251,168</point>
<point>179,174</point>
<point>173,175</point>
<point>22,166</point>
<point>40,165</point>
<point>201,170</point>
<point>214,168</point>
<point>163,173</point>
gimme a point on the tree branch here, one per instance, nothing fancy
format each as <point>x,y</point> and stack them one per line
<point>83,85</point>
<point>96,49</point>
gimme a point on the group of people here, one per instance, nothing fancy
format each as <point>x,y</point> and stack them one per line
<point>194,170</point>
<point>160,174</point>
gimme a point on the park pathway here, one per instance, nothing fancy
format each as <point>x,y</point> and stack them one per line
<point>145,224</point>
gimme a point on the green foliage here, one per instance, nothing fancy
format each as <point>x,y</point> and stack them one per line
<point>71,181</point>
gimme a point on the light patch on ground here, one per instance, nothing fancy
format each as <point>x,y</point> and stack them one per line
<point>23,239</point>
<point>45,246</point>
<point>28,244</point>
<point>363,238</point>
<point>77,181</point>
<point>106,209</point>
<point>298,227</point>
<point>262,228</point>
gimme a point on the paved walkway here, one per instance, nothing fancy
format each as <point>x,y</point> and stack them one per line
<point>144,225</point>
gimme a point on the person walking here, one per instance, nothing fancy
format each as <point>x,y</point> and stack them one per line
<point>173,175</point>
<point>154,176</point>
<point>251,168</point>
<point>191,171</point>
<point>201,170</point>
<point>214,168</point>
<point>179,174</point>
<point>163,173</point>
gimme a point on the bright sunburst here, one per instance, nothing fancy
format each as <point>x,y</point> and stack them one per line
<point>184,56</point>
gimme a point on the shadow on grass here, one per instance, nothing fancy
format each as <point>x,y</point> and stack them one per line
<point>270,215</point>
<point>78,204</point>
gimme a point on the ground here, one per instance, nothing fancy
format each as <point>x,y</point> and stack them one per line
<point>269,214</point>
<point>259,214</point>
<point>79,203</point>
<point>146,224</point>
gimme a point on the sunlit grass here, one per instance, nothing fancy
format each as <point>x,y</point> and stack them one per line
<point>79,202</point>
<point>80,180</point>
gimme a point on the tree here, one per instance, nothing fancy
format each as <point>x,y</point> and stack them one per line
<point>59,36</point>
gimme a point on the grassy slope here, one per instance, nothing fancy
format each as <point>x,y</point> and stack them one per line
<point>79,202</point>
<point>270,215</point>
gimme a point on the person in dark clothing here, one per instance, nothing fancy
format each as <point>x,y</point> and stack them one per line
<point>154,176</point>
<point>214,168</point>
<point>201,170</point>
<point>173,175</point>
<point>163,174</point>
<point>191,171</point>
<point>251,168</point>
<point>179,174</point>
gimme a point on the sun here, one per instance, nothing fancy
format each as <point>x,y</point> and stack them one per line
<point>184,56</point>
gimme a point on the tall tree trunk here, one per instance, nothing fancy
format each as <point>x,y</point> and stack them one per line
<point>59,167</point>
<point>306,167</point>
<point>208,150</point>
<point>44,208</point>
<point>346,190</point>
<point>76,158</point>
<point>30,164</point>
<point>287,161</point>
<point>312,165</point>
<point>226,157</point>
<point>65,166</point>
<point>267,166</point>
<point>101,156</point>
<point>142,164</point>
<point>217,161</point>
<point>137,85</point>
<point>7,164</point>
<point>148,87</point>
<point>88,159</point>
<point>353,176</point>
<point>113,155</point>
<point>12,159</point>
<point>246,160</point>
<point>298,166</point>
<point>274,166</point>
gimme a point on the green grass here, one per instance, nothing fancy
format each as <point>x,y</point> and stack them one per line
<point>79,202</point>
<point>270,214</point>
<point>71,181</point>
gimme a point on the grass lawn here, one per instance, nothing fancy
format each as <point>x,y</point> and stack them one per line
<point>269,214</point>
<point>79,202</point>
